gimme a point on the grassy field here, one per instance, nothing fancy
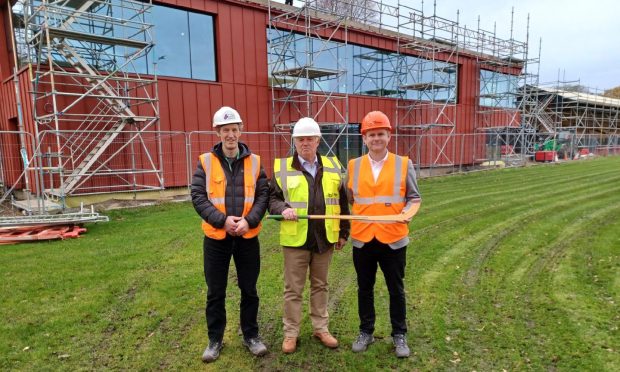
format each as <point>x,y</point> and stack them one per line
<point>515,269</point>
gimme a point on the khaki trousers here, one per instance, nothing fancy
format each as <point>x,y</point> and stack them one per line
<point>296,264</point>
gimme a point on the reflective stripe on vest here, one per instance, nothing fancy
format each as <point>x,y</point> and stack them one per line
<point>215,183</point>
<point>385,196</point>
<point>297,193</point>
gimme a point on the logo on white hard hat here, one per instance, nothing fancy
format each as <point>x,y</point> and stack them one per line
<point>226,115</point>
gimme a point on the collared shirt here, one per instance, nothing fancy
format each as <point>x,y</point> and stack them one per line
<point>230,160</point>
<point>376,166</point>
<point>309,167</point>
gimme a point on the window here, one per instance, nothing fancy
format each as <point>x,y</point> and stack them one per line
<point>368,71</point>
<point>346,141</point>
<point>498,90</point>
<point>185,43</point>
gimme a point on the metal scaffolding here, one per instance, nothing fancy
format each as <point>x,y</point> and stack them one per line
<point>307,67</point>
<point>507,110</point>
<point>88,62</point>
<point>569,109</point>
<point>428,48</point>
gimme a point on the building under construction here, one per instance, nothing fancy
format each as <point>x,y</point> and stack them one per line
<point>585,122</point>
<point>106,96</point>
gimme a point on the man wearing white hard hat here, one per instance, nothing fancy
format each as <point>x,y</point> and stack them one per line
<point>308,183</point>
<point>230,192</point>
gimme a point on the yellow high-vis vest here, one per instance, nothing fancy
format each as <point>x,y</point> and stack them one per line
<point>297,193</point>
<point>215,182</point>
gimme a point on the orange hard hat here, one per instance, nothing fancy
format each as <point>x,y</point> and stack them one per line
<point>375,120</point>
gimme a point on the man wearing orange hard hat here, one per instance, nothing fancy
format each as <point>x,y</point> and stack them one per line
<point>380,183</point>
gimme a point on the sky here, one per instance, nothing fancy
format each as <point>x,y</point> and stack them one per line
<point>580,39</point>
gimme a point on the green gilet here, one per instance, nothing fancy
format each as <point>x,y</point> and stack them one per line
<point>296,193</point>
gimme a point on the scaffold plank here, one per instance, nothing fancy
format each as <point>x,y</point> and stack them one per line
<point>75,35</point>
<point>308,72</point>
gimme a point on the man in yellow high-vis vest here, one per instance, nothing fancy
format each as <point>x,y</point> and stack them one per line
<point>380,183</point>
<point>308,183</point>
<point>230,192</point>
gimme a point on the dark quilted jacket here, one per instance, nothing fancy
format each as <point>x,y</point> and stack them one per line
<point>234,191</point>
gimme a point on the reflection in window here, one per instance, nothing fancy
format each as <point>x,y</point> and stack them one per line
<point>346,142</point>
<point>369,71</point>
<point>172,42</point>
<point>202,46</point>
<point>498,90</point>
<point>185,45</point>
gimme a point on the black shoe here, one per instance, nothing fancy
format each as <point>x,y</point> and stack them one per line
<point>400,343</point>
<point>212,352</point>
<point>256,346</point>
<point>363,340</point>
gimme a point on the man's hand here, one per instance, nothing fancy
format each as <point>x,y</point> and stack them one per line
<point>289,214</point>
<point>340,243</point>
<point>408,219</point>
<point>231,225</point>
<point>242,226</point>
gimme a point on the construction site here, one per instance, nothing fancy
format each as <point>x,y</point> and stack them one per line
<point>105,99</point>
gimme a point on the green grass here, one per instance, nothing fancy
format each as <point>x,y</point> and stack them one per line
<point>510,269</point>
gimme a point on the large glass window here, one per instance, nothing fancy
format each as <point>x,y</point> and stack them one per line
<point>368,71</point>
<point>374,72</point>
<point>202,46</point>
<point>172,42</point>
<point>498,90</point>
<point>345,142</point>
<point>185,44</point>
<point>185,41</point>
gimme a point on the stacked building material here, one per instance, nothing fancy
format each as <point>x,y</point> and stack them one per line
<point>22,234</point>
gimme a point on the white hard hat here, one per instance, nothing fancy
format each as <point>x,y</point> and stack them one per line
<point>226,115</point>
<point>306,127</point>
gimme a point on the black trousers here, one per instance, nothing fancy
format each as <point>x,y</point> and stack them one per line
<point>392,263</point>
<point>246,255</point>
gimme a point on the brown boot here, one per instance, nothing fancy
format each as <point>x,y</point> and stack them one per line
<point>327,339</point>
<point>289,345</point>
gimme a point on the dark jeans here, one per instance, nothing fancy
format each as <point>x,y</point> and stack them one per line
<point>217,254</point>
<point>392,263</point>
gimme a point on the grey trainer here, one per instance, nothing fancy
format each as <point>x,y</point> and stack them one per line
<point>256,346</point>
<point>363,340</point>
<point>212,352</point>
<point>400,343</point>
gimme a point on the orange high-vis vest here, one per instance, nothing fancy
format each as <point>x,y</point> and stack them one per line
<point>216,190</point>
<point>370,198</point>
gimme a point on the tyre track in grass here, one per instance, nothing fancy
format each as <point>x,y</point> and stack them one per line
<point>567,171</point>
<point>448,215</point>
<point>551,324</point>
<point>491,245</point>
<point>510,188</point>
<point>469,298</point>
<point>532,203</point>
<point>426,283</point>
<point>448,185</point>
<point>509,224</point>
<point>111,348</point>
<point>579,288</point>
